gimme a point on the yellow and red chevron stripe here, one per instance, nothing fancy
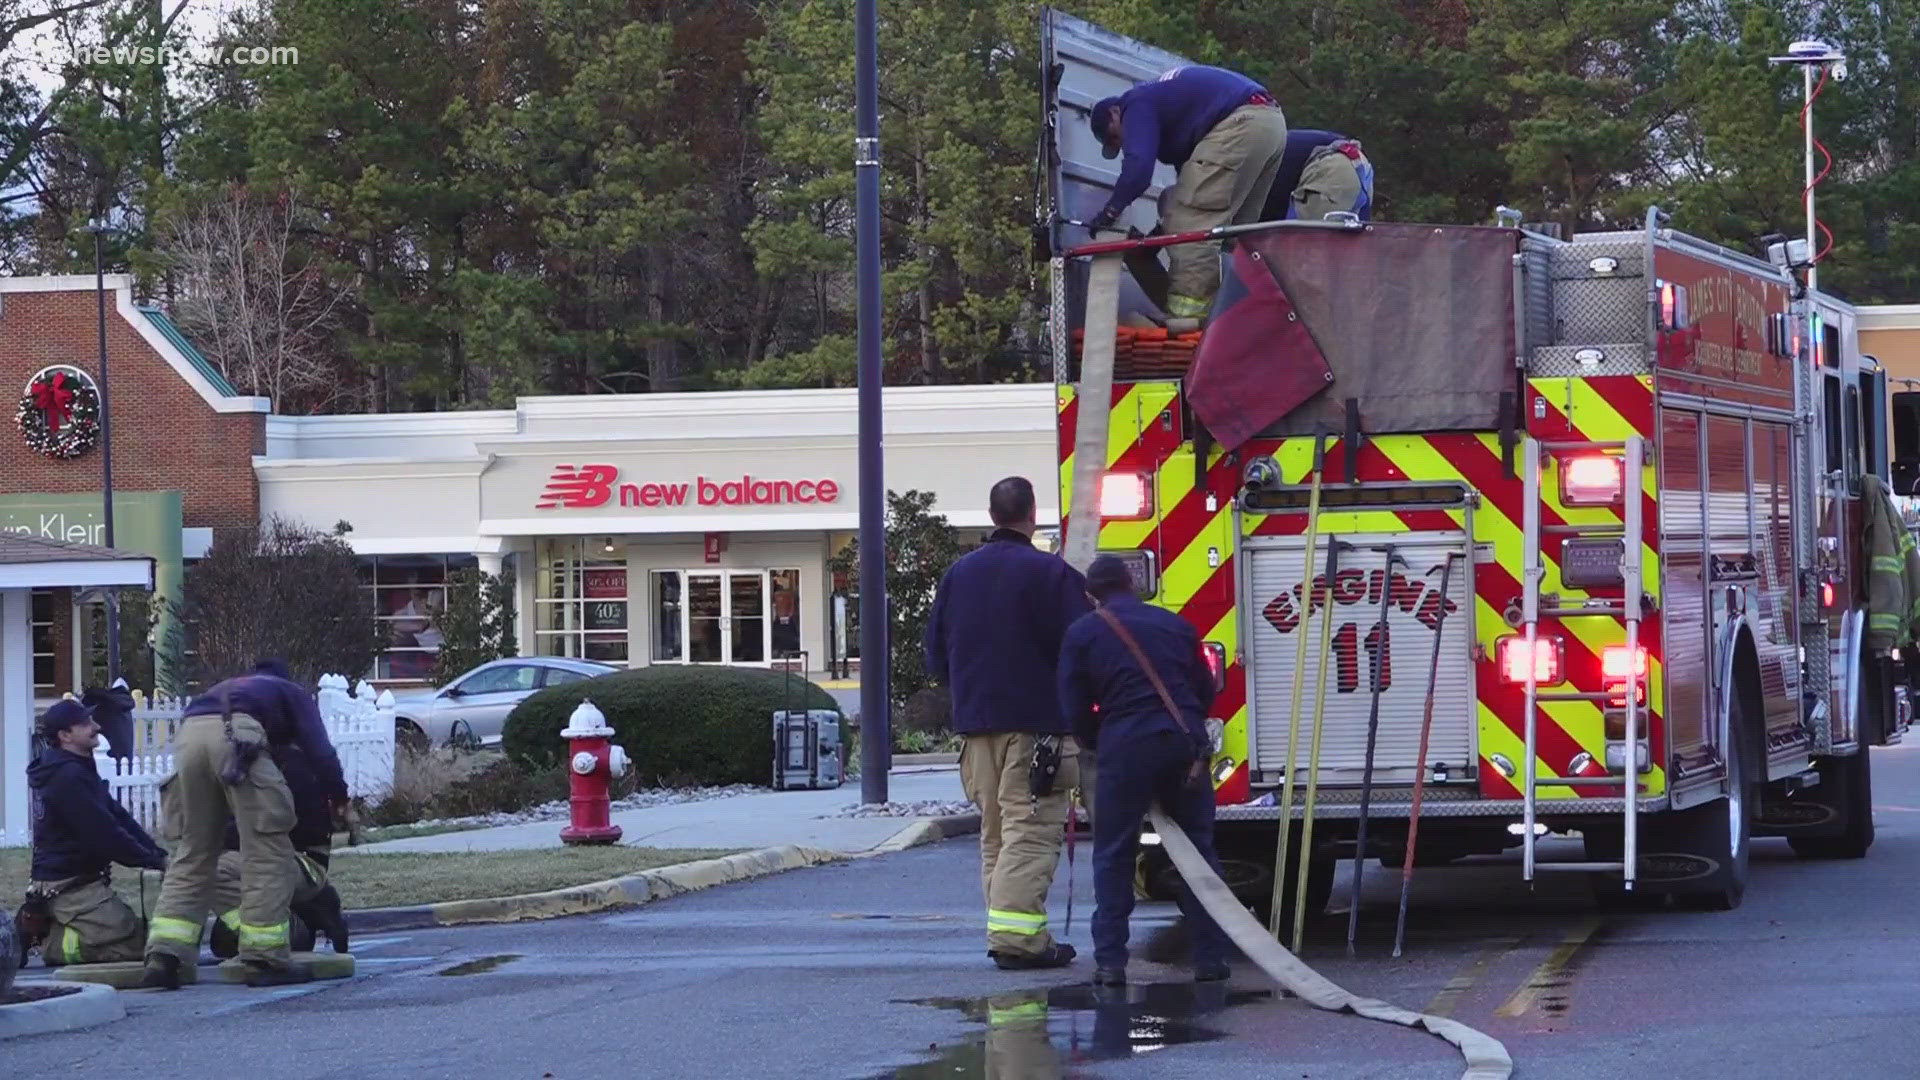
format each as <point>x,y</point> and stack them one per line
<point>1191,537</point>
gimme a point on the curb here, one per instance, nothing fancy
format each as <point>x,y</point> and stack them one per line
<point>924,759</point>
<point>91,1007</point>
<point>927,831</point>
<point>630,891</point>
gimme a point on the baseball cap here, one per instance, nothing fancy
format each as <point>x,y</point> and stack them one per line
<point>1100,118</point>
<point>62,715</point>
<point>1108,576</point>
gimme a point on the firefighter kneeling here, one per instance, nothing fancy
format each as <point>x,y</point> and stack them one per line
<point>71,911</point>
<point>316,905</point>
<point>224,768</point>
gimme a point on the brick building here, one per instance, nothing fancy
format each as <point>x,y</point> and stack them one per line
<point>183,447</point>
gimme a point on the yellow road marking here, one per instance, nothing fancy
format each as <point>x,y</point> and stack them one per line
<point>1547,975</point>
<point>1443,1002</point>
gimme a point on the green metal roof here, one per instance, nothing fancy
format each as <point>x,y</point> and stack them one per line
<point>205,366</point>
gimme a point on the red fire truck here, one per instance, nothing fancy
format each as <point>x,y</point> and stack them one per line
<point>1635,458</point>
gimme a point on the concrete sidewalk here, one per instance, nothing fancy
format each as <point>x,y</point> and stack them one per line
<point>751,822</point>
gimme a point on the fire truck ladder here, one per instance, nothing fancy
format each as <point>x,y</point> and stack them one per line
<point>1628,611</point>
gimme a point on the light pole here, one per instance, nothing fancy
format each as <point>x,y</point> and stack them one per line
<point>1810,55</point>
<point>876,719</point>
<point>99,227</point>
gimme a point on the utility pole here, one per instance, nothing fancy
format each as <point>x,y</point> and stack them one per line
<point>98,227</point>
<point>876,713</point>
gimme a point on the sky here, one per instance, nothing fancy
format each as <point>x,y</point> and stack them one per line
<point>40,55</point>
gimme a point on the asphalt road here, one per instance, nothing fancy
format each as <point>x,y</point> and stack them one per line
<point>877,969</point>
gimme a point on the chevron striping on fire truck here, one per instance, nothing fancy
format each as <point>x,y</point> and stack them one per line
<point>1649,456</point>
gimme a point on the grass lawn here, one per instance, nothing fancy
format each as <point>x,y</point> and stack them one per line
<point>391,880</point>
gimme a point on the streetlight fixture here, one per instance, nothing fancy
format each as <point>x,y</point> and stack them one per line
<point>99,227</point>
<point>1809,55</point>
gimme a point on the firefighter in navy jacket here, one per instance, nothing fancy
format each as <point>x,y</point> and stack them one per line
<point>993,641</point>
<point>1146,755</point>
<point>80,831</point>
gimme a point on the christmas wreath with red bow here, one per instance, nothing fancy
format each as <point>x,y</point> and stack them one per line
<point>60,413</point>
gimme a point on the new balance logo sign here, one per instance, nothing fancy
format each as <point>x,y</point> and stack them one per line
<point>578,487</point>
<point>586,487</point>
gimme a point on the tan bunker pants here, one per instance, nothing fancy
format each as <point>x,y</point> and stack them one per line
<point>91,924</point>
<point>195,804</point>
<point>1020,836</point>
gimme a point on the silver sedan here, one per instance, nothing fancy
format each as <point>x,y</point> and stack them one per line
<point>472,709</point>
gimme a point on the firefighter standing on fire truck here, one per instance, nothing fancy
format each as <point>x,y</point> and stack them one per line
<point>1225,134</point>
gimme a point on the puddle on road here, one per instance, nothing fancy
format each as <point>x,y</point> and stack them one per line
<point>481,965</point>
<point>1042,1034</point>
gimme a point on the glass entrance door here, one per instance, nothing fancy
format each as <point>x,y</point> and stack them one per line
<point>724,619</point>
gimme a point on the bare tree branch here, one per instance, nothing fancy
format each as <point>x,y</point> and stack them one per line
<point>262,304</point>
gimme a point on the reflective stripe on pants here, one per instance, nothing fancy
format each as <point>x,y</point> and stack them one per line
<point>1015,922</point>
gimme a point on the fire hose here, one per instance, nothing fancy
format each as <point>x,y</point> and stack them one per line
<point>1486,1058</point>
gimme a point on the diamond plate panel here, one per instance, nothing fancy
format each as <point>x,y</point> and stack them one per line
<point>1565,361</point>
<point>1599,293</point>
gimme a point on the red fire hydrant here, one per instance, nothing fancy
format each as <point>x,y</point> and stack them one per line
<point>593,765</point>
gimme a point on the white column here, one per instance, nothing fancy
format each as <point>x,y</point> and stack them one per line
<point>491,562</point>
<point>16,710</point>
<point>527,570</point>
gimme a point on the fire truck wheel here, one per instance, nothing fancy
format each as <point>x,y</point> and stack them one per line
<point>1850,779</point>
<point>1716,834</point>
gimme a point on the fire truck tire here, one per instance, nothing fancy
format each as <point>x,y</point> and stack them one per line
<point>1719,832</point>
<point>1851,781</point>
<point>1697,856</point>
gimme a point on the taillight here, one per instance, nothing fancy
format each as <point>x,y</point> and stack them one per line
<point>1826,594</point>
<point>1125,496</point>
<point>1512,653</point>
<point>1614,663</point>
<point>1592,480</point>
<point>1216,655</point>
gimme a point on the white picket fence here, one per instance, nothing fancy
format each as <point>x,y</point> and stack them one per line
<point>359,721</point>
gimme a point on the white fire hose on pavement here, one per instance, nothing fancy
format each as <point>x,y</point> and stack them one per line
<point>1486,1058</point>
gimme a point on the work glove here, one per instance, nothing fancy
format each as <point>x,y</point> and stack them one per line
<point>1102,221</point>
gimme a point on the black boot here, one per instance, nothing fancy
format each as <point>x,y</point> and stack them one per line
<point>163,972</point>
<point>1056,956</point>
<point>1110,976</point>
<point>259,974</point>
<point>324,915</point>
<point>1212,972</point>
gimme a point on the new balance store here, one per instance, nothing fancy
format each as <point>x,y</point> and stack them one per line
<point>645,529</point>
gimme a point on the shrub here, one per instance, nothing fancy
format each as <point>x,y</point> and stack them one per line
<point>704,725</point>
<point>504,786</point>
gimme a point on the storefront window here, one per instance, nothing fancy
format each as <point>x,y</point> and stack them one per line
<point>786,612</point>
<point>580,601</point>
<point>44,654</point>
<point>667,614</point>
<point>409,593</point>
<point>725,616</point>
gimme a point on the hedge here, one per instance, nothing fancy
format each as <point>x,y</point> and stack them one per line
<point>680,725</point>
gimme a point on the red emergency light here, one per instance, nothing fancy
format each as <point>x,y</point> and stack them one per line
<point>1614,663</point>
<point>1592,480</point>
<point>1125,496</point>
<point>1547,653</point>
<point>1216,656</point>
